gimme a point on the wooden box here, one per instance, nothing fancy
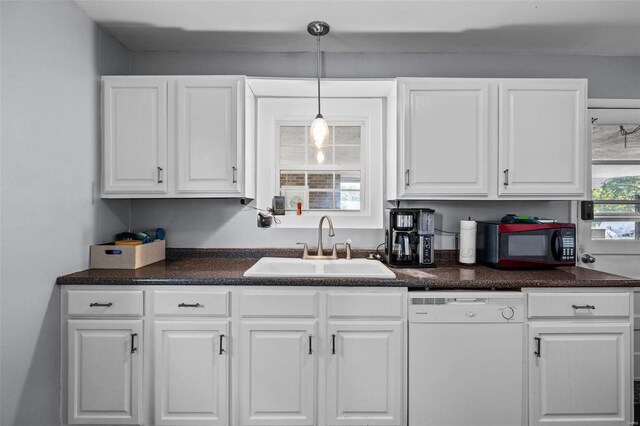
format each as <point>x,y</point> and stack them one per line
<point>110,256</point>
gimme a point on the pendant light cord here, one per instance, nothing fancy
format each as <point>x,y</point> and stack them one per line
<point>318,63</point>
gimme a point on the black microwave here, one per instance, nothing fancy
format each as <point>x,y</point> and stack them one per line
<point>526,245</point>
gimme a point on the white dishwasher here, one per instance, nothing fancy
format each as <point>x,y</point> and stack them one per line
<point>466,358</point>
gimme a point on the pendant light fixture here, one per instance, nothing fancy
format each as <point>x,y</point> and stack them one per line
<point>319,131</point>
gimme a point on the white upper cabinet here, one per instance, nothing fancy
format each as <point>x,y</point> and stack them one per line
<point>134,136</point>
<point>445,128</point>
<point>489,139</point>
<point>542,137</point>
<point>176,137</point>
<point>208,123</point>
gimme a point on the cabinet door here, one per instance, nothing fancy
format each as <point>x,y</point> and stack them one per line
<point>444,138</point>
<point>191,372</point>
<point>278,373</point>
<point>582,374</point>
<point>542,139</point>
<point>207,129</point>
<point>105,372</point>
<point>364,373</point>
<point>135,135</point>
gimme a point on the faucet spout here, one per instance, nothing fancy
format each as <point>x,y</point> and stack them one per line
<point>331,233</point>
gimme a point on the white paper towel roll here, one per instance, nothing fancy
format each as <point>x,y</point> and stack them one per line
<point>468,241</point>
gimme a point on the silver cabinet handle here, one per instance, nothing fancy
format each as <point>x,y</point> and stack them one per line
<point>235,174</point>
<point>537,352</point>
<point>160,177</point>
<point>189,305</point>
<point>506,177</point>
<point>406,178</point>
<point>576,307</point>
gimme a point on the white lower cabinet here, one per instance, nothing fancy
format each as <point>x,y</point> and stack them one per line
<point>104,371</point>
<point>278,373</point>
<point>579,363</point>
<point>191,372</point>
<point>364,373</point>
<point>581,374</point>
<point>314,357</point>
<point>234,356</point>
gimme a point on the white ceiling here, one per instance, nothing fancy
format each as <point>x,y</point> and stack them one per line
<point>589,27</point>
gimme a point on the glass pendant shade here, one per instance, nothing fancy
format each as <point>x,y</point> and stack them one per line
<point>319,131</point>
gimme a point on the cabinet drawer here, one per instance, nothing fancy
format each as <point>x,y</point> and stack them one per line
<point>579,305</point>
<point>105,302</point>
<point>212,303</point>
<point>388,305</point>
<point>279,304</point>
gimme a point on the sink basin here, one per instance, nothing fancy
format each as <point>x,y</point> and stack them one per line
<point>274,267</point>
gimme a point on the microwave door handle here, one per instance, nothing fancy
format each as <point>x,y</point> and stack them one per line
<point>556,245</point>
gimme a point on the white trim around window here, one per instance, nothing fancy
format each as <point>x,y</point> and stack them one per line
<point>368,112</point>
<point>607,111</point>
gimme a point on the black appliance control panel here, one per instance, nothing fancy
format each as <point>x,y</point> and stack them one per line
<point>568,244</point>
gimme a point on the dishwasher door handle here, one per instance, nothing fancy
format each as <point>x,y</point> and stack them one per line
<point>469,301</point>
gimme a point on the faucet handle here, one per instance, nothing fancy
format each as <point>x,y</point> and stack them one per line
<point>334,252</point>
<point>348,247</point>
<point>305,252</point>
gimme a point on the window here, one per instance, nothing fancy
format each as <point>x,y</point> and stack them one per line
<point>320,179</point>
<point>346,178</point>
<point>615,176</point>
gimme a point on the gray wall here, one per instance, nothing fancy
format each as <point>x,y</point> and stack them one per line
<point>52,57</point>
<point>609,76</point>
<point>224,223</point>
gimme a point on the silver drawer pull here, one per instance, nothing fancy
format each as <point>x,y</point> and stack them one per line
<point>576,307</point>
<point>189,305</point>
<point>106,305</point>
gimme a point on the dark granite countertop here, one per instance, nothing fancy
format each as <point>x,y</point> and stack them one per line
<point>478,277</point>
<point>226,267</point>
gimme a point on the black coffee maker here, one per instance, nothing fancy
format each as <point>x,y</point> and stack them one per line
<point>409,238</point>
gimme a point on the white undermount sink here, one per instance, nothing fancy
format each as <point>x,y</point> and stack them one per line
<point>275,267</point>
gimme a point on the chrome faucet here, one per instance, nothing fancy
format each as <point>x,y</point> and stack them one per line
<point>331,233</point>
<point>320,254</point>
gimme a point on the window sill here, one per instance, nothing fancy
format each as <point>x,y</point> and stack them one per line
<point>341,220</point>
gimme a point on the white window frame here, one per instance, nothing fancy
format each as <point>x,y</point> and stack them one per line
<point>364,153</point>
<point>586,243</point>
<point>372,103</point>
